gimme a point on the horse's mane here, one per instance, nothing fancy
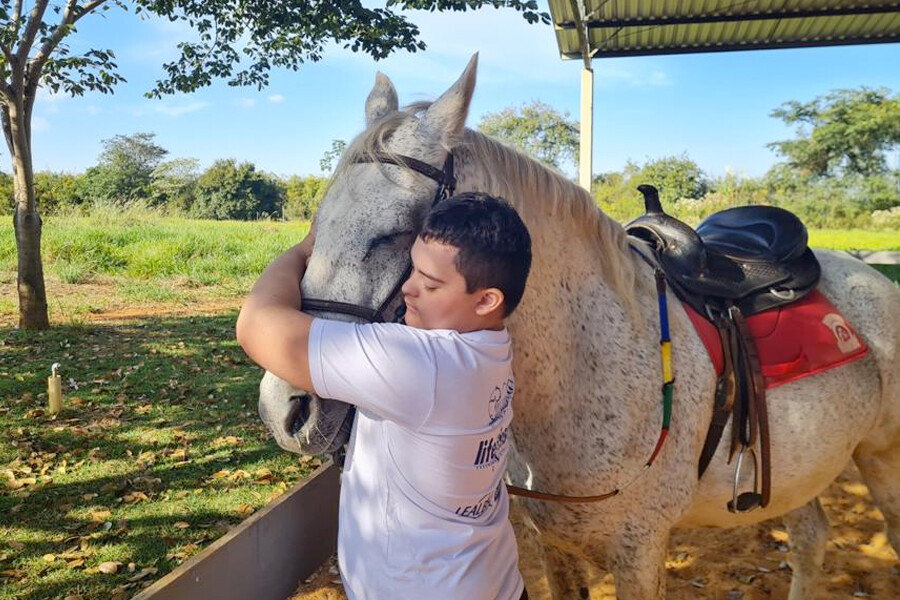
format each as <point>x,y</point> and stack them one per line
<point>535,190</point>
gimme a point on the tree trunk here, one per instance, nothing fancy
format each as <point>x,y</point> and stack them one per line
<point>26,220</point>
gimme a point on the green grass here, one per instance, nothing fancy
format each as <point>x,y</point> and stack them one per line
<point>854,239</point>
<point>202,253</point>
<point>158,452</point>
<point>892,272</point>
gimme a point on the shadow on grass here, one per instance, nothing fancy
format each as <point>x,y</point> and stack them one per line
<point>158,447</point>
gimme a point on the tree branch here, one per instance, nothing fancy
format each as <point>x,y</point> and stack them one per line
<point>34,24</point>
<point>71,14</point>
<point>17,13</point>
<point>88,7</point>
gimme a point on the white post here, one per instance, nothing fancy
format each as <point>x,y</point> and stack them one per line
<point>586,152</point>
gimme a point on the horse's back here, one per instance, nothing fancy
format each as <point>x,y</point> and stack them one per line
<point>817,422</point>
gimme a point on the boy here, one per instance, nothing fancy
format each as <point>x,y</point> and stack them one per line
<point>423,509</point>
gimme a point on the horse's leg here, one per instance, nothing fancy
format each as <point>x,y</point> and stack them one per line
<point>808,530</point>
<point>639,563</point>
<point>566,574</point>
<point>881,473</point>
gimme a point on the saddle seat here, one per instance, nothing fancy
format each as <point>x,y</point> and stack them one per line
<point>753,256</point>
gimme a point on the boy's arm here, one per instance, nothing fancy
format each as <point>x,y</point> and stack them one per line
<point>271,328</point>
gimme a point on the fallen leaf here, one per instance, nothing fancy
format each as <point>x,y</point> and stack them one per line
<point>245,509</point>
<point>12,574</point>
<point>182,525</point>
<point>49,557</point>
<point>132,497</point>
<point>16,545</point>
<point>73,564</point>
<point>100,515</point>
<point>89,497</point>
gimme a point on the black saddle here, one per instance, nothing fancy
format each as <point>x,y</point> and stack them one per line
<point>738,262</point>
<point>755,257</point>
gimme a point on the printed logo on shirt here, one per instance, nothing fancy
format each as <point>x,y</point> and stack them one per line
<point>485,503</point>
<point>492,449</point>
<point>501,398</point>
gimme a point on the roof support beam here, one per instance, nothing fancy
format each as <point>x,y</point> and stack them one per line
<point>728,18</point>
<point>586,123</point>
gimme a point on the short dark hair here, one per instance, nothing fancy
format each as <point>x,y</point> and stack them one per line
<point>493,242</point>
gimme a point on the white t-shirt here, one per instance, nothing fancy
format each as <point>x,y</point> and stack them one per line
<point>424,513</point>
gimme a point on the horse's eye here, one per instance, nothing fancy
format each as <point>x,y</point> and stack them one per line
<point>387,240</point>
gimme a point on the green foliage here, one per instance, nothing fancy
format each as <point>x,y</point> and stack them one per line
<point>173,184</point>
<point>537,129</point>
<point>125,168</point>
<point>54,191</point>
<point>243,46</point>
<point>232,190</point>
<point>844,131</point>
<point>7,198</point>
<point>676,177</point>
<point>303,195</point>
<point>332,156</point>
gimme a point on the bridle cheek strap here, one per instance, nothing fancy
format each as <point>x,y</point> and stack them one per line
<point>446,181</point>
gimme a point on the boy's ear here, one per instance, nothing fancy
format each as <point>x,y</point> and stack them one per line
<point>491,300</point>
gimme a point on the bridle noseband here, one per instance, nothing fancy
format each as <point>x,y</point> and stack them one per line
<point>446,181</point>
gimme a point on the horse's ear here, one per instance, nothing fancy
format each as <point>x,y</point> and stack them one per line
<point>382,99</point>
<point>446,117</point>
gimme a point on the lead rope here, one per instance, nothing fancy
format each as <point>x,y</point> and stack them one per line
<point>668,392</point>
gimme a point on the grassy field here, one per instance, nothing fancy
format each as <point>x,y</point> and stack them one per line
<point>110,263</point>
<point>159,450</point>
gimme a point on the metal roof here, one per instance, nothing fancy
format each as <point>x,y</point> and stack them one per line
<point>606,28</point>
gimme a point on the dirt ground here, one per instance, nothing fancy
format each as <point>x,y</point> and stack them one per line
<point>739,564</point>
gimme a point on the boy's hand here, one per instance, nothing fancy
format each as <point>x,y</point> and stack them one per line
<point>271,327</point>
<point>305,247</point>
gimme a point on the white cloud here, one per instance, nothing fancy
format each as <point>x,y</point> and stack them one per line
<point>510,52</point>
<point>176,110</point>
<point>276,98</point>
<point>246,102</point>
<point>94,109</point>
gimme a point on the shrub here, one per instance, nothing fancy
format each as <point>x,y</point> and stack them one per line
<point>232,190</point>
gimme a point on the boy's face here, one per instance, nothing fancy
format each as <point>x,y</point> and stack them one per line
<point>436,296</point>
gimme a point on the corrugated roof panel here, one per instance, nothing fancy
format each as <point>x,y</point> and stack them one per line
<point>635,27</point>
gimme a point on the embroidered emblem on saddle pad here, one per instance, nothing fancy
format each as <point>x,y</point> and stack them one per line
<point>793,341</point>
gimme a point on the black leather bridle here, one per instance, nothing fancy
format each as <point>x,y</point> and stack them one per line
<point>446,181</point>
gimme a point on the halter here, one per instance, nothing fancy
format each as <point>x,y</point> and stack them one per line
<point>446,181</point>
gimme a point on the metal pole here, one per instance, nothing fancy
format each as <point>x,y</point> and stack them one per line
<point>586,151</point>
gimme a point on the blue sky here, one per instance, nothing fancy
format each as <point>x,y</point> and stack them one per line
<point>714,107</point>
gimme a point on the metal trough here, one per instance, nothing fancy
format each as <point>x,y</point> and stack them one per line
<point>266,556</point>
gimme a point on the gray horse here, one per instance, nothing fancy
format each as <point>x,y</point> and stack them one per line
<point>587,368</point>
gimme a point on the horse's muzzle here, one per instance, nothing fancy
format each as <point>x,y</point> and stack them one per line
<point>301,422</point>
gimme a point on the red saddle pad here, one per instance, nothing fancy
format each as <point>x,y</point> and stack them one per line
<point>793,341</point>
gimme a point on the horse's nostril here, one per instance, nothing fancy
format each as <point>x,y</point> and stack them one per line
<point>303,410</point>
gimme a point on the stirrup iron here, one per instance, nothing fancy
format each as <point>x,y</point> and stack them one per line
<point>747,501</point>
